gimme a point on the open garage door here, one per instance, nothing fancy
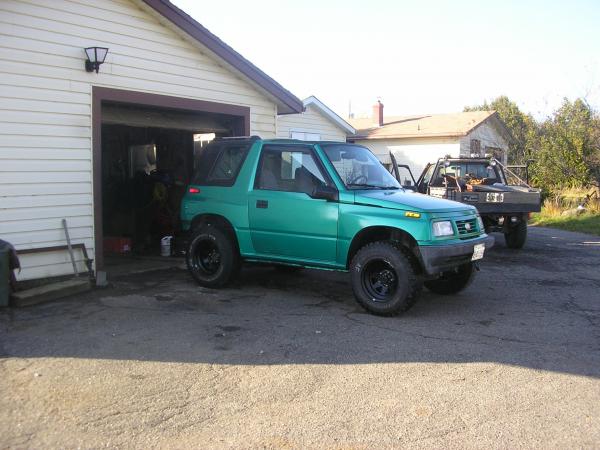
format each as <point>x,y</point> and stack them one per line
<point>144,153</point>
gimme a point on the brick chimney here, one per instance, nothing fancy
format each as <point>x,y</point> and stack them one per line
<point>378,113</point>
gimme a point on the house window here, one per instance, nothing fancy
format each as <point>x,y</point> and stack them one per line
<point>476,147</point>
<point>304,136</point>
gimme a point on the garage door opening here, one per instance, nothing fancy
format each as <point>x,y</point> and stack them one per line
<point>147,161</point>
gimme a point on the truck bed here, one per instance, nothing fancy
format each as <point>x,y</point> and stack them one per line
<point>494,199</point>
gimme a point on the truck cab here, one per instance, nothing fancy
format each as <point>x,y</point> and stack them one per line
<point>325,205</point>
<point>502,198</point>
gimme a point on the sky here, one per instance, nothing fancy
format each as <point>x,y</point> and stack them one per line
<point>417,57</point>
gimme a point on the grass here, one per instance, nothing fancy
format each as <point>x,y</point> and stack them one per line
<point>552,216</point>
<point>585,223</point>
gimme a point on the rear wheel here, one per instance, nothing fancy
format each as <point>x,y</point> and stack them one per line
<point>212,257</point>
<point>517,235</point>
<point>384,279</point>
<point>452,281</point>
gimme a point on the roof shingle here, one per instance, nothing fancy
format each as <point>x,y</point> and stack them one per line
<point>426,125</point>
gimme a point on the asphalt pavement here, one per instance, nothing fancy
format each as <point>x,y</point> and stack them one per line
<point>291,361</point>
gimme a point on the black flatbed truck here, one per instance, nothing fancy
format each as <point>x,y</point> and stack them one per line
<point>483,183</point>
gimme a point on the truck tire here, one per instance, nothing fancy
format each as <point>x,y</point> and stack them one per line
<point>384,280</point>
<point>452,281</point>
<point>212,257</point>
<point>517,235</point>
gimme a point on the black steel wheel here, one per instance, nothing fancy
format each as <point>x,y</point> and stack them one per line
<point>379,279</point>
<point>212,257</point>
<point>385,280</point>
<point>206,257</point>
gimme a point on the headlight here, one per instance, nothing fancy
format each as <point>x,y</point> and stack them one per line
<point>443,228</point>
<point>480,223</point>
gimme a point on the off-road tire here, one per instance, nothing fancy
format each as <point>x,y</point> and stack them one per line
<point>452,281</point>
<point>398,263</point>
<point>208,245</point>
<point>517,235</point>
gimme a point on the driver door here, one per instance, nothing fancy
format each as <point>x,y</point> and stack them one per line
<point>285,221</point>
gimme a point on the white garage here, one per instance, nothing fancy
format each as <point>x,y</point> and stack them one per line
<point>316,123</point>
<point>70,138</point>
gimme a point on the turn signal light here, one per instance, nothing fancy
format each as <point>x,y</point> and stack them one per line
<point>194,190</point>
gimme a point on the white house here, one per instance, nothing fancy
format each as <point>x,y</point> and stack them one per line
<point>417,140</point>
<point>317,123</point>
<point>69,137</point>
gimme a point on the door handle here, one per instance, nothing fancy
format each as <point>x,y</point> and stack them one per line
<point>263,204</point>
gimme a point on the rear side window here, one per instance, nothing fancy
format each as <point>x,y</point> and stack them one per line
<point>219,164</point>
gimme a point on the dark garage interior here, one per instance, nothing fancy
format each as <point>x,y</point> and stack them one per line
<point>148,159</point>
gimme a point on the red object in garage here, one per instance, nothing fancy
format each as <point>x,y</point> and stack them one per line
<point>117,245</point>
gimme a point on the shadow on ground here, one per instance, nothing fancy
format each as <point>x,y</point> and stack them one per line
<point>537,308</point>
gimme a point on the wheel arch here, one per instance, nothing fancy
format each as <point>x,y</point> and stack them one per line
<point>218,221</point>
<point>386,233</point>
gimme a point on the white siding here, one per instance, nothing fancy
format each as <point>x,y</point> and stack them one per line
<point>310,121</point>
<point>488,137</point>
<point>45,107</point>
<point>416,153</point>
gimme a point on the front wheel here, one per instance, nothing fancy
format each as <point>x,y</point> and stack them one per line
<point>516,236</point>
<point>384,280</point>
<point>452,281</point>
<point>212,257</point>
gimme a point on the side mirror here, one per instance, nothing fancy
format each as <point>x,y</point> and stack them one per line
<point>324,192</point>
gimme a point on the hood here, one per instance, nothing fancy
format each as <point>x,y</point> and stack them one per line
<point>407,200</point>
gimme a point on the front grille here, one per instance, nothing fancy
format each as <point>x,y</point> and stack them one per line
<point>465,227</point>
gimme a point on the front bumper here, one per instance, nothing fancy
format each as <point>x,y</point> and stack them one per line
<point>438,258</point>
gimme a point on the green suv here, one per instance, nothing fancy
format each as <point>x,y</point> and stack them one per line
<point>325,205</point>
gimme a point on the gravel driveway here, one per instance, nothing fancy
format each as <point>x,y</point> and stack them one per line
<point>290,361</point>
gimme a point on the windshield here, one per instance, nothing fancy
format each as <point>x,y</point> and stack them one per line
<point>359,168</point>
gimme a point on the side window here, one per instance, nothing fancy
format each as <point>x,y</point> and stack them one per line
<point>437,179</point>
<point>428,174</point>
<point>289,169</point>
<point>219,165</point>
<point>227,165</point>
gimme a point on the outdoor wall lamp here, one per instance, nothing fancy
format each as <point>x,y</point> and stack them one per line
<point>95,57</point>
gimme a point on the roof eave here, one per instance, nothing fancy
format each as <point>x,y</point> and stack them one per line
<point>504,129</point>
<point>312,100</point>
<point>287,103</point>
<point>482,121</point>
<point>410,136</point>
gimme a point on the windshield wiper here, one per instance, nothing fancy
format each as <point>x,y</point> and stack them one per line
<point>371,186</point>
<point>363,185</point>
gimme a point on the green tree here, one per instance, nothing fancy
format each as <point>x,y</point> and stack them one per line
<point>523,128</point>
<point>568,147</point>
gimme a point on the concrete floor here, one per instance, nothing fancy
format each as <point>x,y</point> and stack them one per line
<point>290,361</point>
